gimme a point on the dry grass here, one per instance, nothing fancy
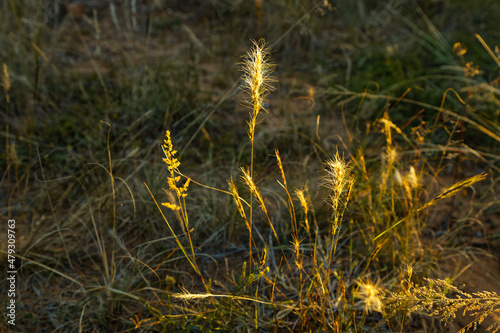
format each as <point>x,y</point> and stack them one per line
<point>435,300</point>
<point>331,211</point>
<point>313,289</point>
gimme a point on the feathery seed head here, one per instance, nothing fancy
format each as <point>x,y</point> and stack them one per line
<point>387,128</point>
<point>369,294</point>
<point>248,180</point>
<point>263,258</point>
<point>339,179</point>
<point>470,70</point>
<point>257,80</point>
<point>237,201</point>
<point>280,165</point>
<point>258,6</point>
<point>304,202</point>
<point>6,78</point>
<point>296,248</point>
<point>412,179</point>
<point>186,295</point>
<point>171,206</point>
<point>173,167</point>
<point>253,188</point>
<point>409,270</point>
<point>303,199</point>
<point>398,178</point>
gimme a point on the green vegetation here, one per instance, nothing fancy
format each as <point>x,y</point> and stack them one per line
<point>236,166</point>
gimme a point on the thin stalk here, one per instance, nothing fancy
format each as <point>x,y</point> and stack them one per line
<point>257,81</point>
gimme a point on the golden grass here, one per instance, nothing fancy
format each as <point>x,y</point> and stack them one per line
<point>313,251</point>
<point>313,277</point>
<point>6,81</point>
<point>441,299</point>
<point>257,81</point>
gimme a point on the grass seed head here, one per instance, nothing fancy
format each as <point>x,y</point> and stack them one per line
<point>391,156</point>
<point>398,178</point>
<point>6,81</point>
<point>257,69</point>
<point>237,201</point>
<point>264,257</point>
<point>412,178</point>
<point>459,49</point>
<point>369,294</point>
<point>173,167</point>
<point>298,256</point>
<point>454,189</point>
<point>339,179</point>
<point>253,188</point>
<point>186,295</point>
<point>257,80</point>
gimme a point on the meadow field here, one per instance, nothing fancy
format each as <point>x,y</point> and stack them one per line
<point>250,166</point>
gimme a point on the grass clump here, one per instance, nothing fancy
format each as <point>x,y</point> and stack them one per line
<point>314,287</point>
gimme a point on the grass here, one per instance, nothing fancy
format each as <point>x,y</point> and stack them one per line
<point>356,201</point>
